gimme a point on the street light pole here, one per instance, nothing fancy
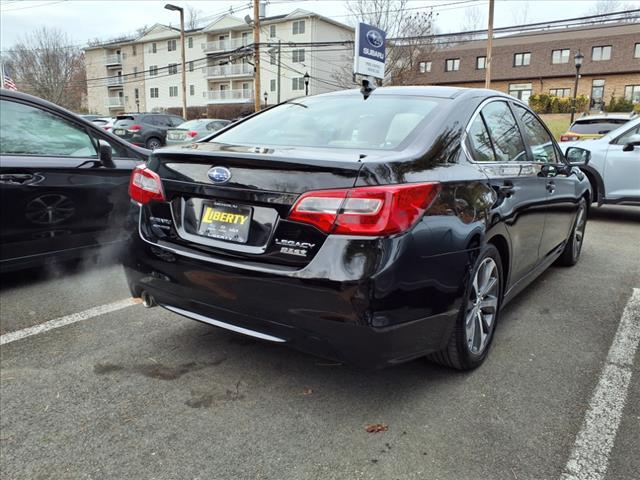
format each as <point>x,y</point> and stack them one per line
<point>306,83</point>
<point>256,54</point>
<point>578,58</point>
<point>175,8</point>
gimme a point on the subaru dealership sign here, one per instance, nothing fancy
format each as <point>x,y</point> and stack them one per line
<point>370,52</point>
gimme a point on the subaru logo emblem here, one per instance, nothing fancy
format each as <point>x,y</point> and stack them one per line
<point>374,38</point>
<point>219,174</point>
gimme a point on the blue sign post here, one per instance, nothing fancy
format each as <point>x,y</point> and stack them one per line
<point>370,52</point>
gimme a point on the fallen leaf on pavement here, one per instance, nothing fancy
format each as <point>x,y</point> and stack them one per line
<point>376,428</point>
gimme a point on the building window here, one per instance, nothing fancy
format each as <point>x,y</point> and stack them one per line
<point>153,70</point>
<point>560,56</point>
<point>601,53</point>
<point>190,42</point>
<point>636,52</point>
<point>136,93</point>
<point>134,51</point>
<point>171,45</point>
<point>272,31</point>
<point>425,67</point>
<point>154,92</point>
<point>135,72</point>
<point>522,59</point>
<point>297,56</point>
<point>272,85</point>
<point>632,92</point>
<point>481,63</point>
<point>173,68</point>
<point>192,90</point>
<point>154,48</point>
<point>173,91</point>
<point>297,83</point>
<point>560,92</point>
<point>298,27</point>
<point>273,60</point>
<point>452,65</point>
<point>191,66</point>
<point>521,91</point>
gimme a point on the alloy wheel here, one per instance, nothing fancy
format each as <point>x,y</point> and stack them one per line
<point>482,306</point>
<point>578,233</point>
<point>49,209</point>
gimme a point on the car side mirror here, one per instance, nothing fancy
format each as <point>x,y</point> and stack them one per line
<point>104,154</point>
<point>577,157</point>
<point>634,141</point>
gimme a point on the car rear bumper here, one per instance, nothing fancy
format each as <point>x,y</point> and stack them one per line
<point>371,321</point>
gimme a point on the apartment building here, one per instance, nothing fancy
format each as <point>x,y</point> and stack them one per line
<point>543,62</point>
<point>219,64</point>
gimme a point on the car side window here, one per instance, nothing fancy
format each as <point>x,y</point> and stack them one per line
<point>504,133</point>
<point>480,141</point>
<point>537,137</point>
<point>28,130</point>
<point>176,121</point>
<point>624,138</point>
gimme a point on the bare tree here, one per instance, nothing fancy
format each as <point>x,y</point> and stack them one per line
<point>520,14</point>
<point>603,7</point>
<point>193,17</point>
<point>473,19</point>
<point>46,64</point>
<point>407,37</point>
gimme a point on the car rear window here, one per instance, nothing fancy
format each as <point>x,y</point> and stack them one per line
<point>379,123</point>
<point>191,124</point>
<point>123,120</point>
<point>596,126</point>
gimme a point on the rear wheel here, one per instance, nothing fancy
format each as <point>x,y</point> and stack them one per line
<point>573,248</point>
<point>471,338</point>
<point>153,143</point>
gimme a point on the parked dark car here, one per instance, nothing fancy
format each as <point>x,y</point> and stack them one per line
<point>63,183</point>
<point>145,129</point>
<point>366,231</point>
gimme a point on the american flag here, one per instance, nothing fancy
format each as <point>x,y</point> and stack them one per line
<point>8,83</point>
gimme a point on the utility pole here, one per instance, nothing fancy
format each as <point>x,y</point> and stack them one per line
<point>279,63</point>
<point>487,78</point>
<point>256,54</point>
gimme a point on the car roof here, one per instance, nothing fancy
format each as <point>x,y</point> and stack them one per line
<point>424,91</point>
<point>604,117</point>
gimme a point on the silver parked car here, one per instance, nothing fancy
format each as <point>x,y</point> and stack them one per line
<point>194,130</point>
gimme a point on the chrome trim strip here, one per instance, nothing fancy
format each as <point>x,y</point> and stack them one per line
<point>228,326</point>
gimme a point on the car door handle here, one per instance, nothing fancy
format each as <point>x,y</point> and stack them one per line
<point>507,189</point>
<point>16,178</point>
<point>551,187</point>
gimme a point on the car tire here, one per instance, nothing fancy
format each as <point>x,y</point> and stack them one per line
<point>476,321</point>
<point>571,253</point>
<point>153,143</point>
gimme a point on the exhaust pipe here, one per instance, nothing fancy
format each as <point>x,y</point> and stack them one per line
<point>147,299</point>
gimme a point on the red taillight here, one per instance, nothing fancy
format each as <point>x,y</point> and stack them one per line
<point>192,134</point>
<point>568,138</point>
<point>145,185</point>
<point>134,128</point>
<point>381,210</point>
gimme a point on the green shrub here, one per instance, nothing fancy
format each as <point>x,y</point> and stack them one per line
<point>545,103</point>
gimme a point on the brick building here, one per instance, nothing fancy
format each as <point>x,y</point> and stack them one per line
<point>543,62</point>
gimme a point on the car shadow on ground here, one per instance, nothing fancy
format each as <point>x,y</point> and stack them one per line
<point>615,213</point>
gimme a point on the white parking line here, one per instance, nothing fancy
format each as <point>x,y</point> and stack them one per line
<point>589,458</point>
<point>67,320</point>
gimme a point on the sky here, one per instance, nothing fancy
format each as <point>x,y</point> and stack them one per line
<point>104,19</point>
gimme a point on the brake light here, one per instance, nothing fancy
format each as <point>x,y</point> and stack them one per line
<point>192,133</point>
<point>568,138</point>
<point>134,128</point>
<point>145,185</point>
<point>379,210</point>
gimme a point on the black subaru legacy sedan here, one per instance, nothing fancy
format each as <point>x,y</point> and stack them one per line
<point>368,231</point>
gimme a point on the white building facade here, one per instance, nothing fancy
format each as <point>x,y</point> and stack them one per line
<point>220,67</point>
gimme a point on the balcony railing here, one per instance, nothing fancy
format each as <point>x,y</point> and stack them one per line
<point>115,59</point>
<point>115,102</point>
<point>229,96</point>
<point>225,45</point>
<point>231,70</point>
<point>114,82</point>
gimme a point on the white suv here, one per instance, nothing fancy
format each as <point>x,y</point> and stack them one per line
<point>614,168</point>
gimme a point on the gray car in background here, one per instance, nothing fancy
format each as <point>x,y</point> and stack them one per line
<point>194,130</point>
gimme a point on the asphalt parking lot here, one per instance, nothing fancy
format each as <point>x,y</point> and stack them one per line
<point>145,394</point>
